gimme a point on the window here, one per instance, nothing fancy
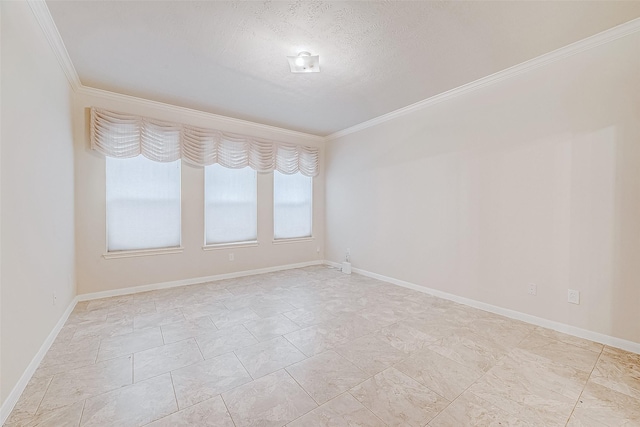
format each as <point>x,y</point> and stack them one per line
<point>291,205</point>
<point>230,197</point>
<point>143,204</point>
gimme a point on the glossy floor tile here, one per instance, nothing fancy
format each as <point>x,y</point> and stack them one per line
<point>599,405</point>
<point>371,353</point>
<point>326,375</point>
<point>343,411</point>
<point>166,358</point>
<point>619,371</point>
<point>123,345</point>
<point>28,404</point>
<point>470,410</point>
<point>179,331</point>
<point>446,377</point>
<point>225,340</point>
<point>82,383</point>
<point>210,413</point>
<point>271,327</point>
<point>207,379</point>
<point>314,347</point>
<point>135,405</point>
<point>399,400</point>
<point>68,416</point>
<point>268,356</point>
<point>269,401</point>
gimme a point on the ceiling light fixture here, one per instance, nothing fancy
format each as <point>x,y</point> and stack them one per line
<point>304,63</point>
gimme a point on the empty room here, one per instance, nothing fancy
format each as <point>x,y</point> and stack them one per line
<point>319,213</point>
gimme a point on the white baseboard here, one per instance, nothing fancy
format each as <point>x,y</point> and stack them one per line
<point>12,399</point>
<point>192,281</point>
<point>534,320</point>
<point>18,389</point>
<point>15,394</point>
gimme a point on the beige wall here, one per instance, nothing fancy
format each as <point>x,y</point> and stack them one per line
<point>95,273</point>
<point>533,179</point>
<point>37,192</point>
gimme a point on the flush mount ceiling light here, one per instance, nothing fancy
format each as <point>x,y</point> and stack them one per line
<point>304,63</point>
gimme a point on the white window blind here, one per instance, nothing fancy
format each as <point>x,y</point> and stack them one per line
<point>292,197</point>
<point>143,204</point>
<point>231,204</point>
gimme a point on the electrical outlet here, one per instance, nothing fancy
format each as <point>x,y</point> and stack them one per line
<point>232,257</point>
<point>573,296</point>
<point>318,249</point>
<point>55,299</point>
<point>533,289</point>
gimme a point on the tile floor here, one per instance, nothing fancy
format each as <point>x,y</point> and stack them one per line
<point>314,347</point>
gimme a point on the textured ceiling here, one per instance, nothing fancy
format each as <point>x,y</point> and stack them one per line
<point>229,58</point>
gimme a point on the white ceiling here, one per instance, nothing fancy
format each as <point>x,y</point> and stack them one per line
<point>229,58</point>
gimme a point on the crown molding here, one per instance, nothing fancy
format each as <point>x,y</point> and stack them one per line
<point>105,94</point>
<point>44,18</point>
<point>604,37</point>
<point>48,26</point>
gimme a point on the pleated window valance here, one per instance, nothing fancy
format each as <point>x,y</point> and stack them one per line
<point>124,135</point>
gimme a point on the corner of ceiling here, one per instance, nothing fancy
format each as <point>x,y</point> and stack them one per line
<point>50,30</point>
<point>590,42</point>
<point>100,93</point>
<point>44,18</point>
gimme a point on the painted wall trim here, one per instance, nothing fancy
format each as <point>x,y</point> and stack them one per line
<point>100,93</point>
<point>15,394</point>
<point>534,320</point>
<point>606,36</point>
<point>142,252</point>
<point>44,18</point>
<point>43,15</point>
<point>192,281</point>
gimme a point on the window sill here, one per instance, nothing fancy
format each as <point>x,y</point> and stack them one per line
<point>142,252</point>
<point>293,240</point>
<point>213,247</point>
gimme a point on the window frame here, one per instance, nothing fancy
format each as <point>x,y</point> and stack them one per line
<point>240,244</point>
<point>129,253</point>
<point>286,240</point>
